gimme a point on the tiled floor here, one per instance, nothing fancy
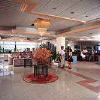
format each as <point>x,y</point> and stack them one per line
<point>71,85</point>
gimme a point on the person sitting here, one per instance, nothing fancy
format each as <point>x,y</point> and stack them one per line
<point>24,54</point>
<point>92,54</point>
<point>30,55</point>
<point>85,50</point>
<point>20,55</point>
<point>82,54</point>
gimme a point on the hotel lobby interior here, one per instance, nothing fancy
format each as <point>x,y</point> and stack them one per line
<point>49,49</point>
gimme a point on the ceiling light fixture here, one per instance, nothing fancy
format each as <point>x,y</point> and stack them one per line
<point>54,8</point>
<point>41,25</point>
<point>32,25</point>
<point>90,33</point>
<point>72,12</point>
<point>86,16</point>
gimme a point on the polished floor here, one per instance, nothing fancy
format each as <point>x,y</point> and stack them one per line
<point>82,82</point>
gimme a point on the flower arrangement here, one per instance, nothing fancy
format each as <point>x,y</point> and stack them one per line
<point>41,56</point>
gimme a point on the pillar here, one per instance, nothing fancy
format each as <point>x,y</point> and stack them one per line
<point>60,41</point>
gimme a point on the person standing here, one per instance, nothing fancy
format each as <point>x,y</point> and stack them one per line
<point>70,59</point>
<point>62,56</point>
<point>66,57</point>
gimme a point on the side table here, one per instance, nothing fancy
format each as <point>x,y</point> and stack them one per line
<point>40,69</point>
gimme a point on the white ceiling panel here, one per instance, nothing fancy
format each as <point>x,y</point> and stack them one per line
<point>11,18</point>
<point>57,25</point>
<point>6,4</point>
<point>92,2</point>
<point>60,26</point>
<point>78,9</point>
<point>95,17</point>
<point>87,33</point>
<point>82,17</point>
<point>48,9</point>
<point>60,7</point>
<point>67,4</point>
<point>93,13</point>
<point>41,4</point>
<point>89,15</point>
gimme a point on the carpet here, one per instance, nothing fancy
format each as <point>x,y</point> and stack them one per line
<point>42,80</point>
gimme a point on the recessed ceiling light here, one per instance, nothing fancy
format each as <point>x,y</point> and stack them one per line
<point>32,25</point>
<point>90,33</point>
<point>86,16</point>
<point>54,8</point>
<point>72,12</point>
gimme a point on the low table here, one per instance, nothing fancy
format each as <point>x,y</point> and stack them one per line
<point>40,69</point>
<point>23,62</point>
<point>29,60</point>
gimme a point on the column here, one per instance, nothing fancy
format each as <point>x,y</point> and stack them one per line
<point>60,41</point>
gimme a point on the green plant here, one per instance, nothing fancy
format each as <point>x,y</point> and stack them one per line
<point>58,58</point>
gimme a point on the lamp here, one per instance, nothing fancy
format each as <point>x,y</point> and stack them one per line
<point>41,25</point>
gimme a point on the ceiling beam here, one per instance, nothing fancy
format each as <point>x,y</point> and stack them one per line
<point>56,17</point>
<point>94,20</point>
<point>1,31</point>
<point>46,34</point>
<point>80,30</point>
<point>36,33</point>
<point>26,32</point>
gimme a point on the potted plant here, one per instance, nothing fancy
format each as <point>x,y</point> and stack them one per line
<point>41,56</point>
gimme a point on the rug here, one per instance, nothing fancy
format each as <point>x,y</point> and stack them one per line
<point>42,80</point>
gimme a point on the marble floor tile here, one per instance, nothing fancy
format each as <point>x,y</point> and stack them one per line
<point>12,87</point>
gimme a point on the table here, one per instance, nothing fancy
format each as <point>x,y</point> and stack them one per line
<point>27,60</point>
<point>40,69</point>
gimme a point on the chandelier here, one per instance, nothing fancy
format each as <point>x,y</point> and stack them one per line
<point>41,25</point>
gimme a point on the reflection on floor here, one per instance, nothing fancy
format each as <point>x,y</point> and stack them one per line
<point>74,84</point>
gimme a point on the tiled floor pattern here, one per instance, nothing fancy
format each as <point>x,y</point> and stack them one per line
<point>69,86</point>
<point>91,67</point>
<point>86,82</point>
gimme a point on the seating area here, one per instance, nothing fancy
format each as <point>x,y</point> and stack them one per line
<point>16,61</point>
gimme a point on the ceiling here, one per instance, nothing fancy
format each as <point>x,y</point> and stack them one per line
<point>84,10</point>
<point>87,35</point>
<point>81,8</point>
